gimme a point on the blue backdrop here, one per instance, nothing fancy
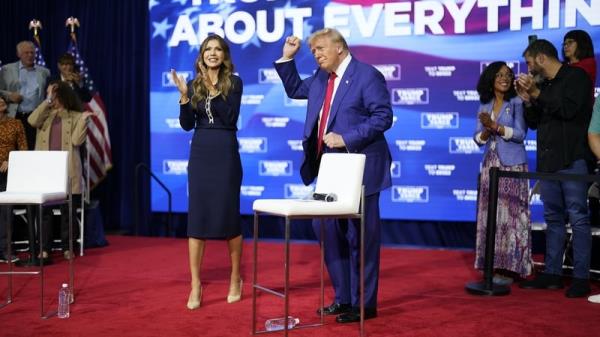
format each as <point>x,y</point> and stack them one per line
<point>430,52</point>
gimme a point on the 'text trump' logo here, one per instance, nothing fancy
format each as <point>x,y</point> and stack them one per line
<point>275,168</point>
<point>463,145</point>
<point>174,167</point>
<point>410,96</point>
<point>252,190</point>
<point>514,65</point>
<point>410,194</point>
<point>439,120</point>
<point>253,144</point>
<point>396,169</point>
<point>391,72</point>
<point>298,191</point>
<point>167,79</point>
<point>295,144</point>
<point>268,75</point>
<point>290,102</point>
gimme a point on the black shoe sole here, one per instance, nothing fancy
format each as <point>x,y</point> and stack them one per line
<point>578,295</point>
<point>353,318</point>
<point>340,310</point>
<point>550,287</point>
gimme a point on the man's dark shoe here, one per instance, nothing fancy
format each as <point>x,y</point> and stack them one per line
<point>4,258</point>
<point>579,288</point>
<point>543,281</point>
<point>335,309</point>
<point>354,315</point>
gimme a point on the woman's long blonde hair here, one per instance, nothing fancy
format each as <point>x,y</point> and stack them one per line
<point>225,71</point>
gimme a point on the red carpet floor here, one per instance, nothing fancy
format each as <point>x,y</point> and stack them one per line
<point>139,287</point>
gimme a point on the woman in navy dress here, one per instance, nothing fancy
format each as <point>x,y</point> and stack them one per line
<point>210,105</point>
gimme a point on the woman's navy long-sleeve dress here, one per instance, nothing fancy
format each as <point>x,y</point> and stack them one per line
<point>214,168</point>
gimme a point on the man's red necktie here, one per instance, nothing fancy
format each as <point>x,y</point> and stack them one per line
<point>325,113</point>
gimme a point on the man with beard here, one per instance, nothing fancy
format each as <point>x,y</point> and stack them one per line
<point>560,109</point>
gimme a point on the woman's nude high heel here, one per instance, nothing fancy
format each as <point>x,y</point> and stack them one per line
<point>193,301</point>
<point>233,295</point>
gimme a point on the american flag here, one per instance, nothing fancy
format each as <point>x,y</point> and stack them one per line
<point>98,139</point>
<point>39,58</point>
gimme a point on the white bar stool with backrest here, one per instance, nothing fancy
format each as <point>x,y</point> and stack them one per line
<point>39,178</point>
<point>340,174</point>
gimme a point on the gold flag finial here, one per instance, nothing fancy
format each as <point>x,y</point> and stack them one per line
<point>35,25</point>
<point>72,22</point>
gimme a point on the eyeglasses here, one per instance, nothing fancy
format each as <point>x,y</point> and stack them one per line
<point>510,76</point>
<point>568,42</point>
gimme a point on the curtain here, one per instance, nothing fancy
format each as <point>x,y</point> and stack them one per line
<point>113,41</point>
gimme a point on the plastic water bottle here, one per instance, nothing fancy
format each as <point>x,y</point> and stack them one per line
<point>275,324</point>
<point>64,297</point>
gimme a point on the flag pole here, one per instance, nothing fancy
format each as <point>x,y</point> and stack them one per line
<point>36,25</point>
<point>72,22</point>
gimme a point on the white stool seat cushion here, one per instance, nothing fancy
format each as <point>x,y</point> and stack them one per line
<point>291,207</point>
<point>31,197</point>
<point>36,177</point>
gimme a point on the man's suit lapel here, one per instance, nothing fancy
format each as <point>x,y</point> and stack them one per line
<point>317,103</point>
<point>342,89</point>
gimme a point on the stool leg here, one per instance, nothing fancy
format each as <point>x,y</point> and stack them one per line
<point>9,248</point>
<point>254,272</point>
<point>31,219</point>
<point>362,265</point>
<point>41,232</point>
<point>287,274</point>
<point>9,254</point>
<point>72,259</point>
<point>82,224</point>
<point>322,269</point>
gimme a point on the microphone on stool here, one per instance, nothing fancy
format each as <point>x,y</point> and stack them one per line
<point>327,197</point>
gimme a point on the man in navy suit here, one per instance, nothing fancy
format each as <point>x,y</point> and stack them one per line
<point>355,119</point>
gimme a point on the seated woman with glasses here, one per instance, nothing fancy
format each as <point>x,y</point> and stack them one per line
<point>578,51</point>
<point>501,129</point>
